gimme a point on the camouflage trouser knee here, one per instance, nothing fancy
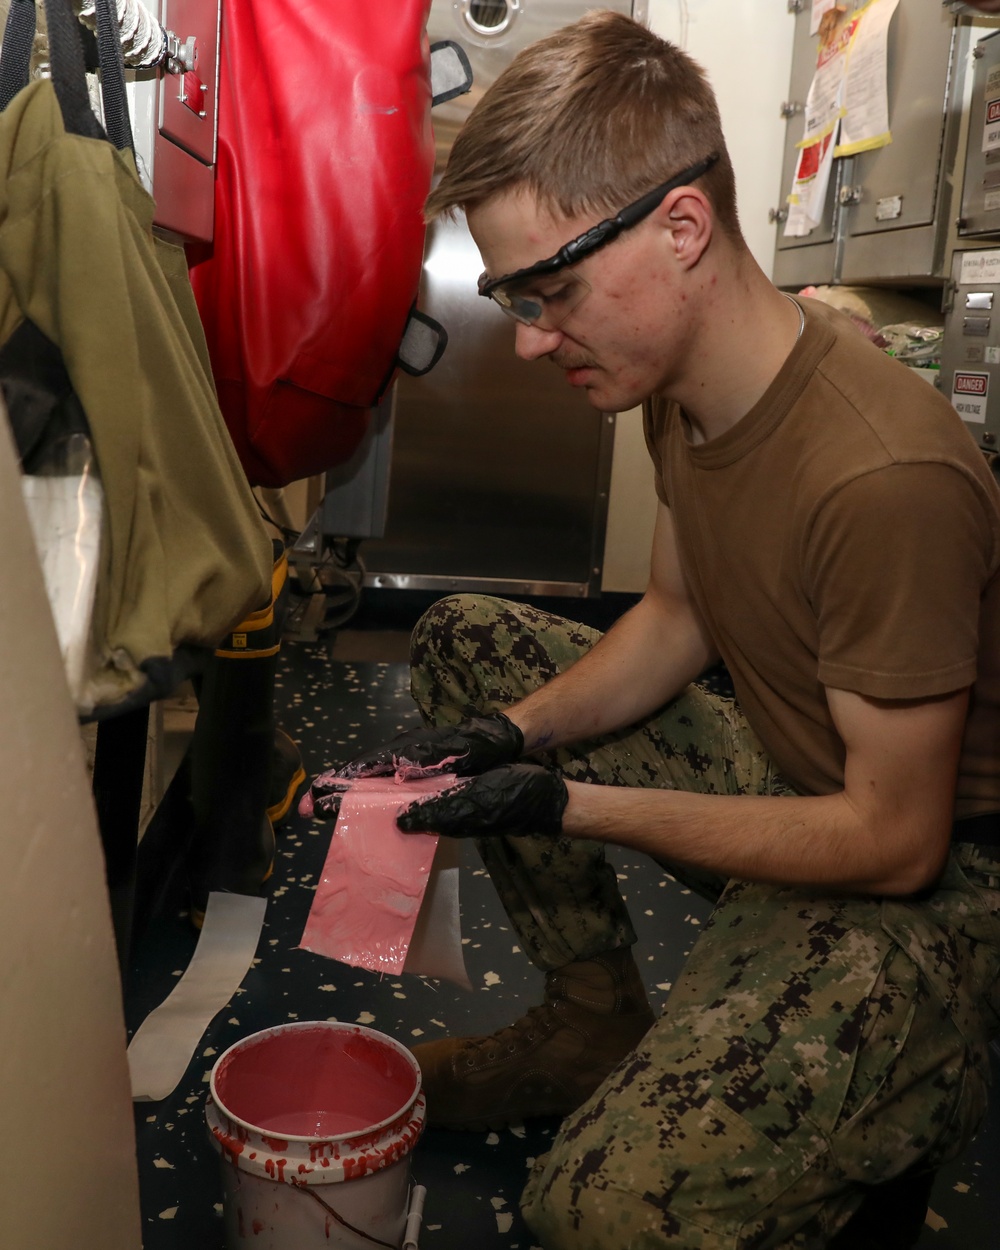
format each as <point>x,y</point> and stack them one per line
<point>811,1046</point>
<point>474,653</point>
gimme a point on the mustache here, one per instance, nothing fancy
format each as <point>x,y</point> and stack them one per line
<point>570,362</point>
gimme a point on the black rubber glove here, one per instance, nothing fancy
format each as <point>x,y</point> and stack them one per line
<point>517,799</point>
<point>324,800</point>
<point>471,747</point>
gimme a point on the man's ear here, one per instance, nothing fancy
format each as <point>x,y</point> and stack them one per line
<point>687,216</point>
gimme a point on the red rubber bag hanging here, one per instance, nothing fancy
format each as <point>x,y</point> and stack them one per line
<point>325,158</point>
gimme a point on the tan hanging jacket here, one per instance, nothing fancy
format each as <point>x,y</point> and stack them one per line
<point>185,555</point>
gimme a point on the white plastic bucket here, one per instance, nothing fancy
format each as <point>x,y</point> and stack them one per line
<point>315,1122</point>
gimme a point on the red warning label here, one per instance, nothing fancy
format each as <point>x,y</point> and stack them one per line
<point>971,383</point>
<point>969,395</point>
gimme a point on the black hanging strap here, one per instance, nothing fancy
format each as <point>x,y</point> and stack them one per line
<point>15,58</point>
<point>69,77</point>
<point>68,66</point>
<point>109,47</point>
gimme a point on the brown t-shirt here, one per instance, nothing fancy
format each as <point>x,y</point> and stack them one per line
<point>846,533</point>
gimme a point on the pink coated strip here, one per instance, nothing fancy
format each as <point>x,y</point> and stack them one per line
<point>374,878</point>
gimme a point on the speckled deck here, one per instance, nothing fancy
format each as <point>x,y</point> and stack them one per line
<point>334,709</point>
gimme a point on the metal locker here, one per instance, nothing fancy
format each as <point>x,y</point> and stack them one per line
<point>500,473</point>
<point>888,209</point>
<point>981,184</point>
<point>811,257</point>
<point>897,202</point>
<point>970,356</point>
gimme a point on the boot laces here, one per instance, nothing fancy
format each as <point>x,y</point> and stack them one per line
<point>514,1037</point>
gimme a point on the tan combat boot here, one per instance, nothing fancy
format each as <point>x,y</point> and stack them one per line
<point>548,1062</point>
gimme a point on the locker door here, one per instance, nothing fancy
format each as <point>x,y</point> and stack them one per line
<point>981,184</point>
<point>895,211</point>
<point>810,258</point>
<point>184,145</point>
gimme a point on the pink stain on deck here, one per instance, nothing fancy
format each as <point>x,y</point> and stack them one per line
<point>374,878</point>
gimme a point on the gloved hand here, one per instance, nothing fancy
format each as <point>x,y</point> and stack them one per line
<point>473,746</point>
<point>324,797</point>
<point>517,799</point>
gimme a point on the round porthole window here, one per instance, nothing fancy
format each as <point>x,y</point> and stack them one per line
<point>489,18</point>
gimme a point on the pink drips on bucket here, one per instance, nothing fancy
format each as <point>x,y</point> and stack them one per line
<point>318,1077</point>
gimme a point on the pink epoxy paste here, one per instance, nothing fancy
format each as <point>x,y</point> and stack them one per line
<point>314,1082</point>
<point>407,771</point>
<point>374,877</point>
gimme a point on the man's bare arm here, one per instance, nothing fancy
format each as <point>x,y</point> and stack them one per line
<point>644,660</point>
<point>886,832</point>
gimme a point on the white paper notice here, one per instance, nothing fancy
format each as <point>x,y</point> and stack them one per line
<point>819,7</point>
<point>812,178</point>
<point>825,99</point>
<point>969,392</point>
<point>824,103</point>
<point>161,1049</point>
<point>866,106</point>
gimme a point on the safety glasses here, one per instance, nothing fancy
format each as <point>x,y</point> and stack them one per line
<point>544,294</point>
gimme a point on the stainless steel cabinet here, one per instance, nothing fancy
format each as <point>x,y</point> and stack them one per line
<point>888,210</point>
<point>970,357</point>
<point>981,184</point>
<point>500,473</point>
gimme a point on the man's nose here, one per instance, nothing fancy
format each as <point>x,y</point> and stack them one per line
<point>531,342</point>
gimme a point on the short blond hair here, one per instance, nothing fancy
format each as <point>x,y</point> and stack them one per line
<point>588,120</point>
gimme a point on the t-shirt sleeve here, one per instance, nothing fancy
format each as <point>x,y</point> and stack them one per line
<point>654,418</point>
<point>896,563</point>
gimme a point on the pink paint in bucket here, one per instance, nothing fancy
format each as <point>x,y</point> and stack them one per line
<point>315,1122</point>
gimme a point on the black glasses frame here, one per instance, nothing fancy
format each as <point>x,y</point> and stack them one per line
<point>604,232</point>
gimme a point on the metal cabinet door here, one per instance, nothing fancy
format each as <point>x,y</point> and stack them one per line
<point>183,156</point>
<point>981,184</point>
<point>895,222</point>
<point>810,258</point>
<point>970,355</point>
<point>500,472</point>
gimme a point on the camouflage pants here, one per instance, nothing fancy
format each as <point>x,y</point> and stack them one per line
<point>812,1046</point>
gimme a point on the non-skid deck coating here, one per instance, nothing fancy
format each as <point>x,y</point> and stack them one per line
<point>334,709</point>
